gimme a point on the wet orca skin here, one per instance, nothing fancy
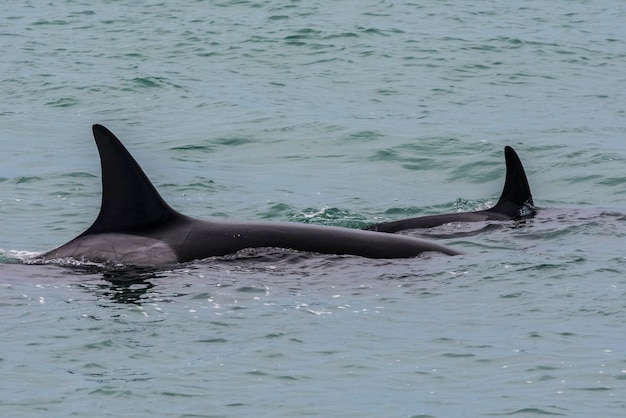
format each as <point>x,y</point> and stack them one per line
<point>136,227</point>
<point>516,202</point>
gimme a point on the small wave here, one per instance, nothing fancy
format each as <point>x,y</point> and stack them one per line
<point>35,259</point>
<point>147,82</point>
<point>459,205</point>
<point>27,179</point>
<point>16,256</point>
<point>330,216</point>
<point>63,102</point>
<point>537,411</point>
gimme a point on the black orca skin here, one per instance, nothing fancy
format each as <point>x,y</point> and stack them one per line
<point>137,227</point>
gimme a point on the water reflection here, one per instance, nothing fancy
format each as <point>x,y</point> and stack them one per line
<point>127,286</point>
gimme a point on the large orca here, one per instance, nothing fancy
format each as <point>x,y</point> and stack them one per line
<point>516,202</point>
<point>136,227</point>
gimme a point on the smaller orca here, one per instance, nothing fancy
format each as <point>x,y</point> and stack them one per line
<point>516,202</point>
<point>136,227</point>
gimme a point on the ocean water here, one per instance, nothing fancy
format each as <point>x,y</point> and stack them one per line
<point>335,113</point>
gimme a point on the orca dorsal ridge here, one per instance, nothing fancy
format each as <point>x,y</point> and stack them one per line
<point>516,200</point>
<point>129,200</point>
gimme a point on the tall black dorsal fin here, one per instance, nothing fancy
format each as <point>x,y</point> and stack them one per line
<point>516,201</point>
<point>129,201</point>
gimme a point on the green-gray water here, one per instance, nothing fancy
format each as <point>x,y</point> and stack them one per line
<point>339,113</point>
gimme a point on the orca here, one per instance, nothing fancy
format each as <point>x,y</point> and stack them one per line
<point>136,227</point>
<point>516,202</point>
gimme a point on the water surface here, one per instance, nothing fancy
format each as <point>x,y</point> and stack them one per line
<point>337,113</point>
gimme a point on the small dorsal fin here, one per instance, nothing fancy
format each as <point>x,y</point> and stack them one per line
<point>516,200</point>
<point>129,200</point>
